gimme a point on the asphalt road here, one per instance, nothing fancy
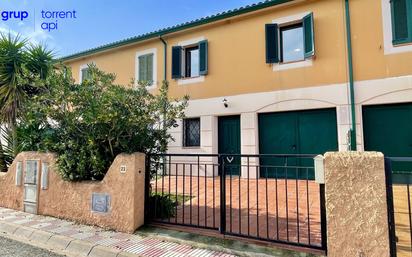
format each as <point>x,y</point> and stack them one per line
<point>11,248</point>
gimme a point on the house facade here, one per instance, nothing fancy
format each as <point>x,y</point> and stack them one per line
<point>279,77</point>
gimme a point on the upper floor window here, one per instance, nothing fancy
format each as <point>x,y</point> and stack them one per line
<point>290,42</point>
<point>401,21</point>
<point>190,61</point>
<point>191,132</point>
<point>84,73</point>
<point>146,68</point>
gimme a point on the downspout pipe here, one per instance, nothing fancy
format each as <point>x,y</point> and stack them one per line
<point>164,57</point>
<point>351,82</point>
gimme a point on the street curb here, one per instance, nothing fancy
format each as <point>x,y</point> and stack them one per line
<point>56,243</point>
<point>24,232</point>
<point>59,242</point>
<point>82,248</point>
<point>41,236</point>
<point>103,251</point>
<point>8,228</point>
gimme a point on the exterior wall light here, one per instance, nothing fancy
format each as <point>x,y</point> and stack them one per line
<point>225,102</point>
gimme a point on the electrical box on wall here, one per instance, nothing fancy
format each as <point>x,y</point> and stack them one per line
<point>319,169</point>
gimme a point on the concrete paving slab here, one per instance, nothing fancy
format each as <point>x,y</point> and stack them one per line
<point>59,242</point>
<point>24,232</point>
<point>41,236</point>
<point>82,248</point>
<point>103,251</point>
<point>8,228</point>
<point>126,254</point>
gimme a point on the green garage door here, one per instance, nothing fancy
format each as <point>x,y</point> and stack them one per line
<point>300,132</point>
<point>388,129</point>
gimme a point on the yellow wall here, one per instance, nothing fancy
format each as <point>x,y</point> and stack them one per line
<point>368,44</point>
<point>237,52</point>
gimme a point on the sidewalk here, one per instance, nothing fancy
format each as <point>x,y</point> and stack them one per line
<point>79,240</point>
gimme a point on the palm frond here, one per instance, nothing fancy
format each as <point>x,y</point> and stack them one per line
<point>40,60</point>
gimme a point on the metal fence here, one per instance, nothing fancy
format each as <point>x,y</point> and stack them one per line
<point>265,197</point>
<point>399,180</point>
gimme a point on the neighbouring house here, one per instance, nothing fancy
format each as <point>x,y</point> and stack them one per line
<point>280,76</point>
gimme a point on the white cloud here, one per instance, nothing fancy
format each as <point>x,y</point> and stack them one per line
<point>34,36</point>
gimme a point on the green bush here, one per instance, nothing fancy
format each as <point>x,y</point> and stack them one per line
<point>162,206</point>
<point>88,124</point>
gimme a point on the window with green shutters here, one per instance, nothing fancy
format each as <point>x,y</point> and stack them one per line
<point>146,68</point>
<point>290,42</point>
<point>85,74</point>
<point>190,61</point>
<point>401,11</point>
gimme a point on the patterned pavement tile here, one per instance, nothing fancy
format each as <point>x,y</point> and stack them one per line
<point>22,221</point>
<point>151,241</point>
<point>137,248</point>
<point>153,252</point>
<point>143,246</point>
<point>94,239</point>
<point>167,245</point>
<point>182,249</point>
<point>122,236</point>
<point>40,225</point>
<point>69,232</point>
<point>82,235</point>
<point>107,241</point>
<point>60,230</point>
<point>122,245</point>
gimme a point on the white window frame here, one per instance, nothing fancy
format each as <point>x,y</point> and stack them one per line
<point>145,52</point>
<point>83,66</point>
<point>289,20</point>
<point>388,46</point>
<point>185,44</point>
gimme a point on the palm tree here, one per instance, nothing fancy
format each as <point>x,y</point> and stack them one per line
<point>21,65</point>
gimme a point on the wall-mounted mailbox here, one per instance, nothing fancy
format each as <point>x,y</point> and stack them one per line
<point>100,202</point>
<point>319,170</point>
<point>19,173</point>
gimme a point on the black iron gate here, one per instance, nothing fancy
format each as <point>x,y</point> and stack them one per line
<point>398,181</point>
<point>273,199</point>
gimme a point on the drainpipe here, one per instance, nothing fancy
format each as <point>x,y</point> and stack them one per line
<point>351,82</point>
<point>164,79</point>
<point>164,57</point>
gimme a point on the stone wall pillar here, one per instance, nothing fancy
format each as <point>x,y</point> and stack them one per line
<point>356,208</point>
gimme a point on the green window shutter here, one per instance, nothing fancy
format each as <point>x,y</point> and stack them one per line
<point>401,21</point>
<point>272,43</point>
<point>142,68</point>
<point>203,57</point>
<point>85,74</point>
<point>149,66</point>
<point>308,35</point>
<point>176,62</point>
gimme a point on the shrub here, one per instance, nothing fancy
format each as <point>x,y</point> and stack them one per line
<point>88,124</point>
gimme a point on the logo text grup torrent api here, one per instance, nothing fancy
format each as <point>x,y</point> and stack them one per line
<point>49,19</point>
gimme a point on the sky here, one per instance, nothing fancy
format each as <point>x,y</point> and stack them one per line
<point>100,22</point>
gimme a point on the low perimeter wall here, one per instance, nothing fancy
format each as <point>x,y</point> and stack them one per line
<point>117,202</point>
<point>356,207</point>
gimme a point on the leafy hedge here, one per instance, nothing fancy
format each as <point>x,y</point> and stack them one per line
<point>88,124</point>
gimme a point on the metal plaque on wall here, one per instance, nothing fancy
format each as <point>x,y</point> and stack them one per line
<point>100,202</point>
